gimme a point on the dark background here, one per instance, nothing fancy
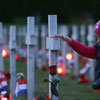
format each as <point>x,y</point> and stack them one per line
<point>67,10</point>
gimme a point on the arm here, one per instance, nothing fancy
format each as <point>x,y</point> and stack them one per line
<point>64,38</point>
<point>83,50</point>
<point>86,51</point>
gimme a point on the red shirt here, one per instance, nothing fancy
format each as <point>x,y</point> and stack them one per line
<point>86,51</point>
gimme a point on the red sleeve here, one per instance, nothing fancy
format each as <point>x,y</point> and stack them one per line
<point>86,51</point>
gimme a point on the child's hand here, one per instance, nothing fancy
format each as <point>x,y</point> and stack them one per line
<point>65,38</point>
<point>58,36</point>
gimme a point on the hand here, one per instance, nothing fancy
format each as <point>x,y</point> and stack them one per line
<point>65,38</point>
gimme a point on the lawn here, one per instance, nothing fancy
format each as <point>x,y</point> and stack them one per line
<point>68,89</point>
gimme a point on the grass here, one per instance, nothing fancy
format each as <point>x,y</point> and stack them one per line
<point>68,89</point>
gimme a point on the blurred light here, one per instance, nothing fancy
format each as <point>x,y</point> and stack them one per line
<point>69,56</point>
<point>17,57</point>
<point>3,98</point>
<point>4,53</point>
<point>59,70</point>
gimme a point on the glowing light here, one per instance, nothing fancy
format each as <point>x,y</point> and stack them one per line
<point>4,53</point>
<point>59,70</point>
<point>69,56</point>
<point>3,98</point>
<point>17,57</point>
